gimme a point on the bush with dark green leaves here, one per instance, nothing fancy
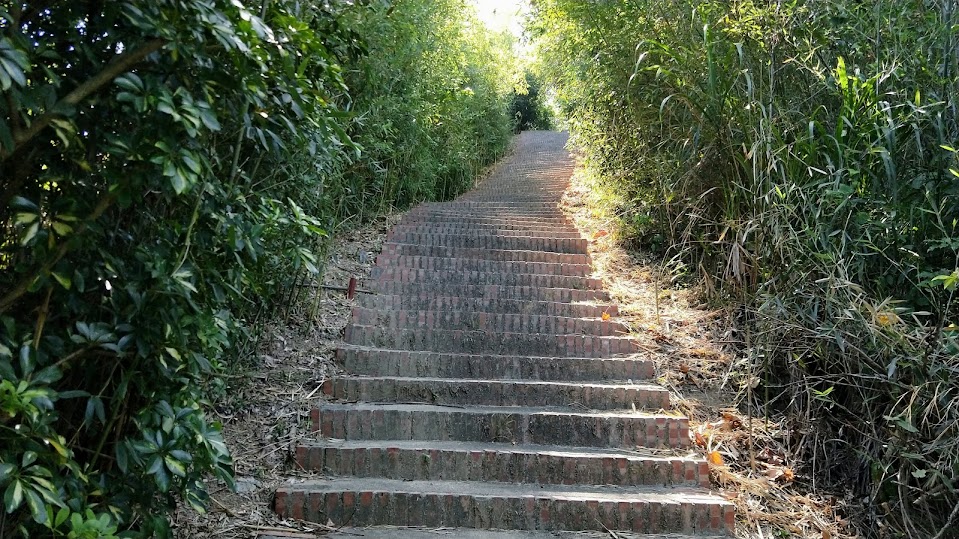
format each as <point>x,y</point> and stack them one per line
<point>168,170</point>
<point>800,157</point>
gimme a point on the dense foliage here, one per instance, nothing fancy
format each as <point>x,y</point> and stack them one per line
<point>799,156</point>
<point>528,106</point>
<point>168,169</point>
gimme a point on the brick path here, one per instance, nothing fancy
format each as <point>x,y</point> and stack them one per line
<point>484,390</point>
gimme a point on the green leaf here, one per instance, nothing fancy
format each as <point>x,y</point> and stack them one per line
<point>24,218</point>
<point>61,517</point>
<point>907,426</point>
<point>175,466</point>
<point>29,457</point>
<point>64,281</point>
<point>29,234</point>
<point>178,181</point>
<point>58,446</point>
<point>5,470</point>
<point>13,496</point>
<point>24,204</point>
<point>130,82</point>
<point>62,229</point>
<point>37,508</point>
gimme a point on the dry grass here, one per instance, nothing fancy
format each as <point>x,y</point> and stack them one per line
<point>698,359</point>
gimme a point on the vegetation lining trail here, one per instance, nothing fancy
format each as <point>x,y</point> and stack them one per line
<point>800,159</point>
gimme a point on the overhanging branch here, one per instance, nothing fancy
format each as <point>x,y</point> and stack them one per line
<point>119,65</point>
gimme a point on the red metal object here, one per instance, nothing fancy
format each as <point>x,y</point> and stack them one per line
<point>351,289</point>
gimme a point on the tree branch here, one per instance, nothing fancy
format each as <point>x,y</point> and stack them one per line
<point>119,65</point>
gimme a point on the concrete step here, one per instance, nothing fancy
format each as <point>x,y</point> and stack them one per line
<point>539,230</point>
<point>464,392</point>
<point>507,424</point>
<point>474,320</point>
<point>527,293</point>
<point>472,461</point>
<point>406,249</point>
<point>369,501</point>
<point>384,362</point>
<point>447,277</point>
<point>460,341</point>
<point>486,266</point>
<point>511,306</point>
<point>482,241</point>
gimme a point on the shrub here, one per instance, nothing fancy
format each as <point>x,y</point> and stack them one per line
<point>169,168</point>
<point>800,156</point>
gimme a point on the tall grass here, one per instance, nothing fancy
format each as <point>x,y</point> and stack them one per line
<point>799,157</point>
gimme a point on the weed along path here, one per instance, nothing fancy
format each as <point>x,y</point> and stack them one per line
<point>487,385</point>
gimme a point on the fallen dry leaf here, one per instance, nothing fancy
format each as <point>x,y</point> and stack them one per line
<point>700,441</point>
<point>715,458</point>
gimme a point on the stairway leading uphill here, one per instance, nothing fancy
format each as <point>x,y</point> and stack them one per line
<point>486,388</point>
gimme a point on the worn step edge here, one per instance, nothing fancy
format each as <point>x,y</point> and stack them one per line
<point>490,291</point>
<point>393,532</point>
<point>479,320</point>
<point>439,340</point>
<point>509,243</point>
<point>388,362</point>
<point>484,505</point>
<point>519,424</point>
<point>584,309</point>
<point>488,266</point>
<point>480,278</point>
<point>474,461</point>
<point>502,255</point>
<point>463,391</point>
<point>479,227</point>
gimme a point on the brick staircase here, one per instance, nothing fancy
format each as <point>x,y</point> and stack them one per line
<point>484,389</point>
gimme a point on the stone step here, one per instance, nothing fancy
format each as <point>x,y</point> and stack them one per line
<point>506,424</point>
<point>406,249</point>
<point>439,216</point>
<point>460,341</point>
<point>512,306</point>
<point>491,206</point>
<point>483,321</point>
<point>384,362</point>
<point>463,391</point>
<point>472,461</point>
<point>508,243</point>
<point>527,293</point>
<point>486,266</point>
<point>372,501</point>
<point>476,278</point>
<point>539,231</point>
<point>390,532</point>
<point>503,214</point>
